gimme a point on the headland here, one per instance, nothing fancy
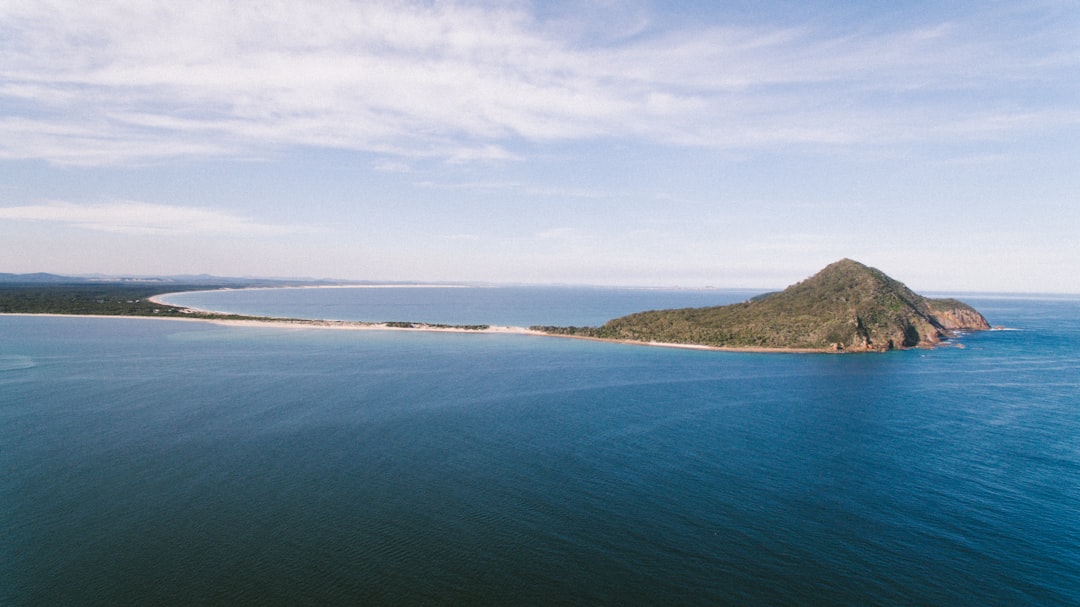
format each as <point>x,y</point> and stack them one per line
<point>846,307</point>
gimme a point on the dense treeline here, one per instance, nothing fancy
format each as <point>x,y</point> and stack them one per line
<point>105,298</point>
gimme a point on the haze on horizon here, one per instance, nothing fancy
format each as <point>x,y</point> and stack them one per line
<point>596,142</point>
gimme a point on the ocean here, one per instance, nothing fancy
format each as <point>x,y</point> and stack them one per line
<point>152,462</point>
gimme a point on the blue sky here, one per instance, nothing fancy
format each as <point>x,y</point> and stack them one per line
<point>736,144</point>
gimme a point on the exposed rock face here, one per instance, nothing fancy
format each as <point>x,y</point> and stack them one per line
<point>845,307</point>
<point>956,315</point>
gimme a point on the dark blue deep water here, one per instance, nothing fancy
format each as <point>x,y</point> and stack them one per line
<point>147,462</point>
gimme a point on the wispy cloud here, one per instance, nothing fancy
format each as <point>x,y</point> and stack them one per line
<point>128,81</point>
<point>128,217</point>
<point>518,188</point>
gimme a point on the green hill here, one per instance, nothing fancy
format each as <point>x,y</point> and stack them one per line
<point>845,307</point>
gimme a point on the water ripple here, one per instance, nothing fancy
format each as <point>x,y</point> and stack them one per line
<point>15,362</point>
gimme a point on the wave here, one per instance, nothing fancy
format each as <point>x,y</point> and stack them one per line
<point>15,362</point>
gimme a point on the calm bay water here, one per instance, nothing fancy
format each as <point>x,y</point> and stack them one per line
<point>515,306</point>
<point>156,462</point>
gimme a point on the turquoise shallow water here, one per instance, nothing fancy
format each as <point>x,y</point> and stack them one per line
<point>155,462</point>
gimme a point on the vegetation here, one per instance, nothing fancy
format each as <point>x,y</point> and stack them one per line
<point>845,307</point>
<point>424,325</point>
<point>107,298</point>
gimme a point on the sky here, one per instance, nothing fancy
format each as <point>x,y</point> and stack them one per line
<point>727,144</point>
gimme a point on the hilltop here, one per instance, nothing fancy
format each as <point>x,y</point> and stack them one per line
<point>846,307</point>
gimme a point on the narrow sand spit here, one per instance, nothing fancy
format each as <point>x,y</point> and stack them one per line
<point>197,315</point>
<point>345,325</point>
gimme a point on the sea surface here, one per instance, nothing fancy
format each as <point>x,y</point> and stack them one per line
<point>457,305</point>
<point>154,462</point>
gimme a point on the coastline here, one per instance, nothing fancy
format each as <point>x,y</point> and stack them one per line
<point>490,329</point>
<point>291,323</point>
<point>770,313</point>
<point>186,314</point>
<point>348,325</point>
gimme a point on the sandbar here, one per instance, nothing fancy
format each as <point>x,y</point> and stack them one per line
<point>205,316</point>
<point>349,325</point>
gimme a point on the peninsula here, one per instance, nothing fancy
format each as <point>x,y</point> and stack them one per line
<point>846,307</point>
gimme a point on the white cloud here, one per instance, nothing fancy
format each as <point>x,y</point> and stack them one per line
<point>131,81</point>
<point>518,188</point>
<point>128,217</point>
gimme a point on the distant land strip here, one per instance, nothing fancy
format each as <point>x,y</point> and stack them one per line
<point>846,307</point>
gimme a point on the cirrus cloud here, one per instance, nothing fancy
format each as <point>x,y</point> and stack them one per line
<point>142,218</point>
<point>127,81</point>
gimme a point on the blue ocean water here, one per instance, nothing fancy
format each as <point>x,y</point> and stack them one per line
<point>494,305</point>
<point>155,462</point>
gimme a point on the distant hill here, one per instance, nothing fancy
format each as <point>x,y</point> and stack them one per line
<point>37,278</point>
<point>846,307</point>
